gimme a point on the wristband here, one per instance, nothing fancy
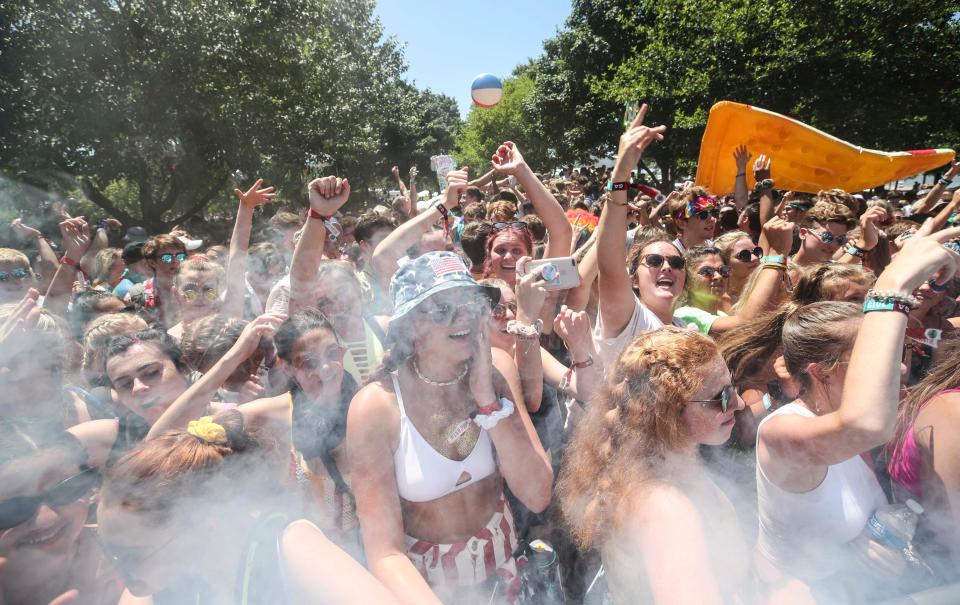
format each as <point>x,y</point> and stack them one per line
<point>486,410</point>
<point>488,421</point>
<point>618,186</point>
<point>314,214</point>
<point>442,210</point>
<point>776,259</point>
<point>886,296</point>
<point>66,260</point>
<point>740,174</point>
<point>943,181</point>
<point>873,304</point>
<point>583,364</point>
<point>855,250</point>
<point>523,331</point>
<point>778,266</point>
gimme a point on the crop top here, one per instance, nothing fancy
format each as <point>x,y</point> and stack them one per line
<point>423,473</point>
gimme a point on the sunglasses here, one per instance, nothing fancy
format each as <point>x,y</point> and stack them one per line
<point>313,364</point>
<point>192,293</point>
<point>705,214</point>
<point>709,272</point>
<point>936,287</point>
<point>744,256</point>
<point>15,511</point>
<point>442,314</point>
<point>510,225</point>
<point>19,274</point>
<point>827,237</point>
<point>169,258</point>
<point>799,207</point>
<point>501,309</point>
<point>654,261</point>
<point>723,398</point>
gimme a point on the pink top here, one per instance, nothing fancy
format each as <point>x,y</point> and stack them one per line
<point>906,466</point>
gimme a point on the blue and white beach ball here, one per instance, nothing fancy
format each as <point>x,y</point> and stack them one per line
<point>486,90</point>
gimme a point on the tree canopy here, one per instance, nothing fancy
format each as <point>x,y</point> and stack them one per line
<point>172,97</point>
<point>875,73</point>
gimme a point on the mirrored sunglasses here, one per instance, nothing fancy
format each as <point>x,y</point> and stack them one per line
<point>827,237</point>
<point>709,272</point>
<point>723,398</point>
<point>169,258</point>
<point>19,274</point>
<point>191,293</point>
<point>443,313</point>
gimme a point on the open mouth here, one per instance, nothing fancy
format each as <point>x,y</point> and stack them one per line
<point>44,537</point>
<point>665,283</point>
<point>510,268</point>
<point>461,335</point>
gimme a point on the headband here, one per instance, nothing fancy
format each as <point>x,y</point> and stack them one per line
<point>698,204</point>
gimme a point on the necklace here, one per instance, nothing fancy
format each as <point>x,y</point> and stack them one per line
<point>439,383</point>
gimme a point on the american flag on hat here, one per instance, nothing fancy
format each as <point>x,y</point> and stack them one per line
<point>446,264</point>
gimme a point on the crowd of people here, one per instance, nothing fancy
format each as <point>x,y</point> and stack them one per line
<point>531,388</point>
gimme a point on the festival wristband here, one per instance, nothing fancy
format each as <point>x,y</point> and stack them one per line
<point>944,182</point>
<point>872,304</point>
<point>855,250</point>
<point>488,421</point>
<point>314,214</point>
<point>619,186</point>
<point>66,260</point>
<point>774,259</point>
<point>486,410</point>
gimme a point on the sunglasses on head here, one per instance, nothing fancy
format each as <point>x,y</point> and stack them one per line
<point>723,398</point>
<point>510,225</point>
<point>500,310</point>
<point>655,261</point>
<point>15,511</point>
<point>709,272</point>
<point>442,313</point>
<point>192,293</point>
<point>827,237</point>
<point>705,214</point>
<point>169,258</point>
<point>19,274</point>
<point>744,256</point>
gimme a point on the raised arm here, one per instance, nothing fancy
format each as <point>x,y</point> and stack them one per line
<point>76,238</point>
<point>933,196</point>
<point>868,404</point>
<point>48,258</point>
<point>508,160</point>
<point>761,173</point>
<point>240,244</point>
<point>387,254</point>
<point>530,298</point>
<point>412,194</point>
<point>776,240</point>
<point>99,241</point>
<point>616,295</point>
<point>579,297</point>
<point>869,234</point>
<point>327,196</point>
<point>741,194</point>
<point>395,171</point>
<point>585,376</point>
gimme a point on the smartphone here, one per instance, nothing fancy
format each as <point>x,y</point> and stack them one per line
<point>559,273</point>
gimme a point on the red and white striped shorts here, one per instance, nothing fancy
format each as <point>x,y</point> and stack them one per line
<point>470,563</point>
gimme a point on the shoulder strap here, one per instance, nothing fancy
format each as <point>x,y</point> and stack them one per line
<point>374,326</point>
<point>396,389</point>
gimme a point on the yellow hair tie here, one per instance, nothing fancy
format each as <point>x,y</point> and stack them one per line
<point>208,431</point>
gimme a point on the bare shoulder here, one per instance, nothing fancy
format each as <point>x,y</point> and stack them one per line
<point>943,408</point>
<point>374,408</point>
<point>658,508</point>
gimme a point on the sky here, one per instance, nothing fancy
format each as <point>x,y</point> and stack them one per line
<point>449,43</point>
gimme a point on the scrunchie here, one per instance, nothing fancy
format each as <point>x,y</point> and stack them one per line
<point>208,431</point>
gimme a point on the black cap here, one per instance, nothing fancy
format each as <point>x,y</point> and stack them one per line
<point>132,253</point>
<point>135,235</point>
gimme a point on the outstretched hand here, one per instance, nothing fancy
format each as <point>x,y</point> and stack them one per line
<point>574,328</point>
<point>508,159</point>
<point>75,233</point>
<point>328,194</point>
<point>633,142</point>
<point>255,196</point>
<point>24,231</point>
<point>16,330</point>
<point>761,168</point>
<point>741,156</point>
<point>869,231</point>
<point>921,257</point>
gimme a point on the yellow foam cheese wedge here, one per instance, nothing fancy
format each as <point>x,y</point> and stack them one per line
<point>804,158</point>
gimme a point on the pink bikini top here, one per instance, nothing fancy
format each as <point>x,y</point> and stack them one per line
<point>906,465</point>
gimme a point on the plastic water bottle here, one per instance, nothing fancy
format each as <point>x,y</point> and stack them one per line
<point>885,546</point>
<point>894,525</point>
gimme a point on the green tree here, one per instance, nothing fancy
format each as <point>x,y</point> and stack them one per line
<point>877,73</point>
<point>173,97</point>
<point>509,120</point>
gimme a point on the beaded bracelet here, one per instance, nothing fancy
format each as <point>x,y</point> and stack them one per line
<point>888,296</point>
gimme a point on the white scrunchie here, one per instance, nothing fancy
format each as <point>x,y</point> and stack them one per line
<point>488,421</point>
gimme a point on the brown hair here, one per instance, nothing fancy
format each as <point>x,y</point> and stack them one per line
<point>102,263</point>
<point>679,205</point>
<point>501,211</point>
<point>95,340</point>
<point>200,264</point>
<point>285,220</point>
<point>208,339</point>
<point>643,238</point>
<point>633,423</point>
<point>153,246</point>
<point>162,473</point>
<point>475,210</point>
<point>839,196</point>
<point>827,212</point>
<point>819,333</point>
<point>817,283</point>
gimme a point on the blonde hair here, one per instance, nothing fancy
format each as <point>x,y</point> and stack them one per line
<point>635,421</point>
<point>102,264</point>
<point>10,255</point>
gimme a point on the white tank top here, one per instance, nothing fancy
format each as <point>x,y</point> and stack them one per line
<point>423,473</point>
<point>805,535</point>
